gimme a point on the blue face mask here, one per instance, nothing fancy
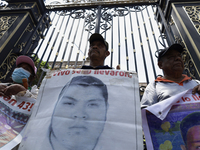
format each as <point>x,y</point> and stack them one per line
<point>19,74</point>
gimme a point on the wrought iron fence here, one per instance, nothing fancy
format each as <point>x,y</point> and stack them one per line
<point>132,32</point>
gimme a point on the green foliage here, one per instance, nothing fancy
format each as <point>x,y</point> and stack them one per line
<point>43,64</point>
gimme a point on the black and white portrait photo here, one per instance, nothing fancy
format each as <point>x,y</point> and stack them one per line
<point>79,114</point>
<point>86,110</point>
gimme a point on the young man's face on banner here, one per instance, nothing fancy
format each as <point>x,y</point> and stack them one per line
<point>193,138</point>
<point>79,117</point>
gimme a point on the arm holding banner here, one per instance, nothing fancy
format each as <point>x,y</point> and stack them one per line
<point>2,87</point>
<point>196,89</point>
<point>13,89</point>
<point>18,90</point>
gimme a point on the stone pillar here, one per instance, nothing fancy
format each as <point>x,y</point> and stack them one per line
<point>22,24</point>
<point>183,20</point>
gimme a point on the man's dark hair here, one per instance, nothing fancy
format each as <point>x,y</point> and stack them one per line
<point>87,81</point>
<point>188,122</point>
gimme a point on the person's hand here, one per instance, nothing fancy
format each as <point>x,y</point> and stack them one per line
<point>196,89</point>
<point>118,67</point>
<point>2,88</point>
<point>14,89</point>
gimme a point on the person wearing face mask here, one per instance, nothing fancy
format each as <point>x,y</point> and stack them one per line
<point>20,91</point>
<point>22,76</point>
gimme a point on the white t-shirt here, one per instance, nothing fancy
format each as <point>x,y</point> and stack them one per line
<point>157,91</point>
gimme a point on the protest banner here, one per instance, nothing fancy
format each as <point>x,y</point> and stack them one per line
<point>14,115</point>
<point>168,124</point>
<point>86,110</point>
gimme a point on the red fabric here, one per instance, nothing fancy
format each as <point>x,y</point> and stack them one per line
<point>161,79</point>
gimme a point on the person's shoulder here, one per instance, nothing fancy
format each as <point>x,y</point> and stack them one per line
<point>98,67</point>
<point>149,96</point>
<point>195,80</point>
<point>86,67</point>
<point>190,79</point>
<point>152,84</point>
<point>107,67</point>
<point>103,67</point>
